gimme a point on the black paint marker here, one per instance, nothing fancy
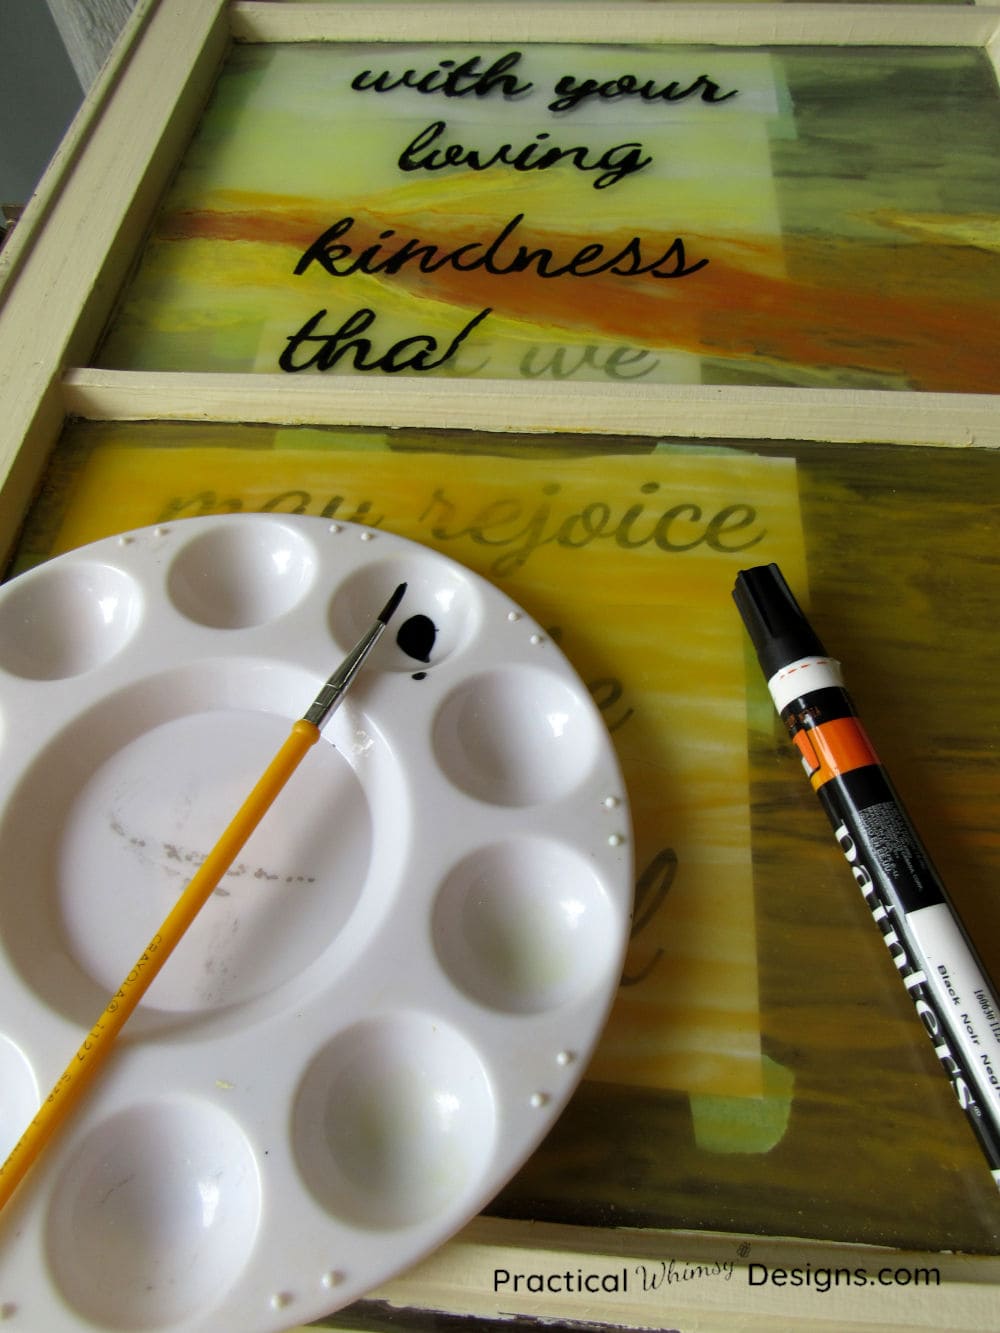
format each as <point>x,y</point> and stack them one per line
<point>936,960</point>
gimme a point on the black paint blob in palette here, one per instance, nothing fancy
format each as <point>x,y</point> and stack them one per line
<point>416,638</point>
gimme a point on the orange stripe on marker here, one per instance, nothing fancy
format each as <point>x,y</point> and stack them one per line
<point>833,748</point>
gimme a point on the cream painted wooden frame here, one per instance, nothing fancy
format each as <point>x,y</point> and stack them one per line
<point>60,275</point>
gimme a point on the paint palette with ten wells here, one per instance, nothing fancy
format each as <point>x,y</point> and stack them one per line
<point>390,996</point>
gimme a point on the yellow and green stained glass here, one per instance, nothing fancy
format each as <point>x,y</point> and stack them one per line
<point>668,214</point>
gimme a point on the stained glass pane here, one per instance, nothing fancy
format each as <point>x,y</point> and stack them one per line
<point>787,216</point>
<point>763,1070</point>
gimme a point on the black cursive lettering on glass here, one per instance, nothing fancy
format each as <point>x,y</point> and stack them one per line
<point>497,255</point>
<point>571,92</point>
<point>614,164</point>
<point>326,350</point>
<point>450,79</point>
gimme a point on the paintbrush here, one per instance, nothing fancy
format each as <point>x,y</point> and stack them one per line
<point>99,1041</point>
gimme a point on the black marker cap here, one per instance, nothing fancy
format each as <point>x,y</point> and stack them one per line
<point>778,629</point>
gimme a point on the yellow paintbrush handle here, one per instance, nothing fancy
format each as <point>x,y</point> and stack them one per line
<point>98,1043</point>
<point>100,1039</point>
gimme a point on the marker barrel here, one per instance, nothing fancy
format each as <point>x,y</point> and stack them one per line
<point>936,960</point>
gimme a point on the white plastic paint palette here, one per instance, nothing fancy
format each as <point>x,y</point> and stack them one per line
<point>389,998</point>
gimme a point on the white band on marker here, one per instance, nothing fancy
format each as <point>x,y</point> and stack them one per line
<point>802,677</point>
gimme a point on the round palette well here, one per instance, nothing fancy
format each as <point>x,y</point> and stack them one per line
<point>391,994</point>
